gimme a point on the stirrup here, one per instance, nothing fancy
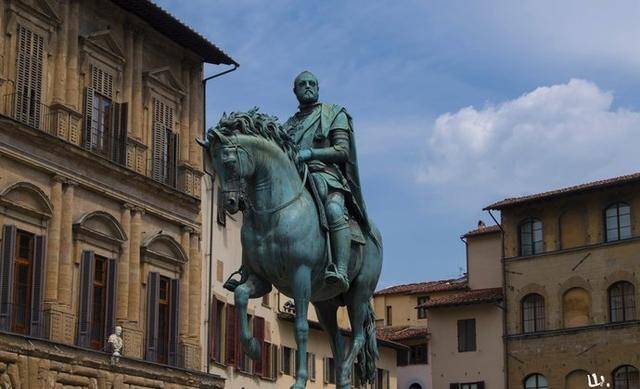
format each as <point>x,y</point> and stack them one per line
<point>333,276</point>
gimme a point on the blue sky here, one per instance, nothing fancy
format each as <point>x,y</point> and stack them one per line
<point>456,104</point>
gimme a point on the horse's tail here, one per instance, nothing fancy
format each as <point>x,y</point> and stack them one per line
<point>366,365</point>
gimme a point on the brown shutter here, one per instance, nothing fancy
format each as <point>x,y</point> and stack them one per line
<point>213,322</point>
<point>40,253</point>
<point>87,264</point>
<point>231,335</point>
<point>174,322</point>
<point>453,386</point>
<point>153,289</point>
<point>112,284</point>
<point>6,275</point>
<point>88,116</point>
<point>221,214</point>
<point>480,385</point>
<point>113,133</point>
<point>258,333</point>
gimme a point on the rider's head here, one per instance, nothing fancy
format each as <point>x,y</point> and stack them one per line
<point>306,88</point>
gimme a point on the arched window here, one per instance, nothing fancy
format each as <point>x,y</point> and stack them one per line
<point>622,304</point>
<point>576,307</point>
<point>415,386</point>
<point>576,379</point>
<point>532,313</point>
<point>536,381</point>
<point>626,377</point>
<point>530,237</point>
<point>617,219</point>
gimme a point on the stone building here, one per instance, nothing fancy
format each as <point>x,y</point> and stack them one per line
<point>271,321</point>
<point>571,274</point>
<point>466,326</point>
<point>100,194</point>
<point>399,320</point>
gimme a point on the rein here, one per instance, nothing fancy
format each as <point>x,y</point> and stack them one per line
<point>287,203</point>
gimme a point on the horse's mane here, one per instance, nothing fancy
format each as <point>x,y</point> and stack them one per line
<point>260,125</point>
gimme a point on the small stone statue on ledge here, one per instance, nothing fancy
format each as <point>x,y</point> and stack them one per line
<point>116,344</point>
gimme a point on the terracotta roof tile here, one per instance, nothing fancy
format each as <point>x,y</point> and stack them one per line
<point>425,287</point>
<point>482,230</point>
<point>477,296</point>
<point>398,333</point>
<point>509,202</point>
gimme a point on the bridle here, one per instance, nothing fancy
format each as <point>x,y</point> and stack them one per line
<point>239,185</point>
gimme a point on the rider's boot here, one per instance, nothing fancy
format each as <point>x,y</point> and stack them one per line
<point>336,272</point>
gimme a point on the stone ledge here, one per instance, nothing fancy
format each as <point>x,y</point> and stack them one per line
<point>60,363</point>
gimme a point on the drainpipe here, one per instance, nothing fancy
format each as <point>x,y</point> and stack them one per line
<point>204,137</point>
<point>504,310</point>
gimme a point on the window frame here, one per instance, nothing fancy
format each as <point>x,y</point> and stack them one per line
<point>467,341</point>
<point>628,312</point>
<point>536,320</point>
<point>618,228</point>
<point>534,249</point>
<point>413,359</point>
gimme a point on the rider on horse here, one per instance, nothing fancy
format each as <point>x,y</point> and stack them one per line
<point>324,134</point>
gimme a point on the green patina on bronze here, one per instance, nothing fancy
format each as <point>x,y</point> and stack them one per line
<point>297,186</point>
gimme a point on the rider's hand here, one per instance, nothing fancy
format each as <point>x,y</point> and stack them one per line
<point>304,155</point>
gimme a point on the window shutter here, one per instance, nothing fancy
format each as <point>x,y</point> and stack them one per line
<point>30,59</point>
<point>221,214</point>
<point>88,116</point>
<point>453,386</point>
<point>231,335</point>
<point>112,284</point>
<point>39,255</point>
<point>172,163</point>
<point>174,322</point>
<point>471,333</point>
<point>325,370</point>
<point>115,137</point>
<point>159,147</point>
<point>6,275</point>
<point>480,385</point>
<point>87,264</point>
<point>153,289</point>
<point>213,323</point>
<point>258,333</point>
<point>461,337</point>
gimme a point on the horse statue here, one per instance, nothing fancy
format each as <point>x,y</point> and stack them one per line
<point>283,244</point>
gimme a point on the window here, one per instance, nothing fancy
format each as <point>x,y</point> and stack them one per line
<point>382,379</point>
<point>270,361</point>
<point>28,96</point>
<point>22,282</point>
<point>96,305</point>
<point>415,386</point>
<point>231,340</point>
<point>265,300</point>
<point>244,362</point>
<point>165,144</point>
<point>388,315</point>
<point>285,362</point>
<point>258,334</point>
<point>311,366</point>
<point>418,354</point>
<point>216,327</point>
<point>105,121</point>
<point>533,313</point>
<point>626,377</point>
<point>531,237</point>
<point>536,381</point>
<point>422,312</point>
<point>622,305</point>
<point>618,221</point>
<point>329,371</point>
<point>162,319</point>
<point>466,335</point>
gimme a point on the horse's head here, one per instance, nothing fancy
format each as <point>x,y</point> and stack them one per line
<point>231,162</point>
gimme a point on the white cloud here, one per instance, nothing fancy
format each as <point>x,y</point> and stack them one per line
<point>550,137</point>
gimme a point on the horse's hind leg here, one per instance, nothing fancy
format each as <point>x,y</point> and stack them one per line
<point>254,287</point>
<point>301,296</point>
<point>327,315</point>
<point>357,300</point>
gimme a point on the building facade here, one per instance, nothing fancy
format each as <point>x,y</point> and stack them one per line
<point>271,321</point>
<point>100,194</point>
<point>571,275</point>
<point>466,348</point>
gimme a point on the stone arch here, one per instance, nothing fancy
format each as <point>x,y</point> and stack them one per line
<point>577,379</point>
<point>27,198</point>
<point>576,307</point>
<point>101,226</point>
<point>164,251</point>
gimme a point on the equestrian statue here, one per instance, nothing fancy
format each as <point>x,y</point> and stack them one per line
<point>305,228</point>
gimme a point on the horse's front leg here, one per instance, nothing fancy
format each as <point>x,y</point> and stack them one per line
<point>254,287</point>
<point>301,295</point>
